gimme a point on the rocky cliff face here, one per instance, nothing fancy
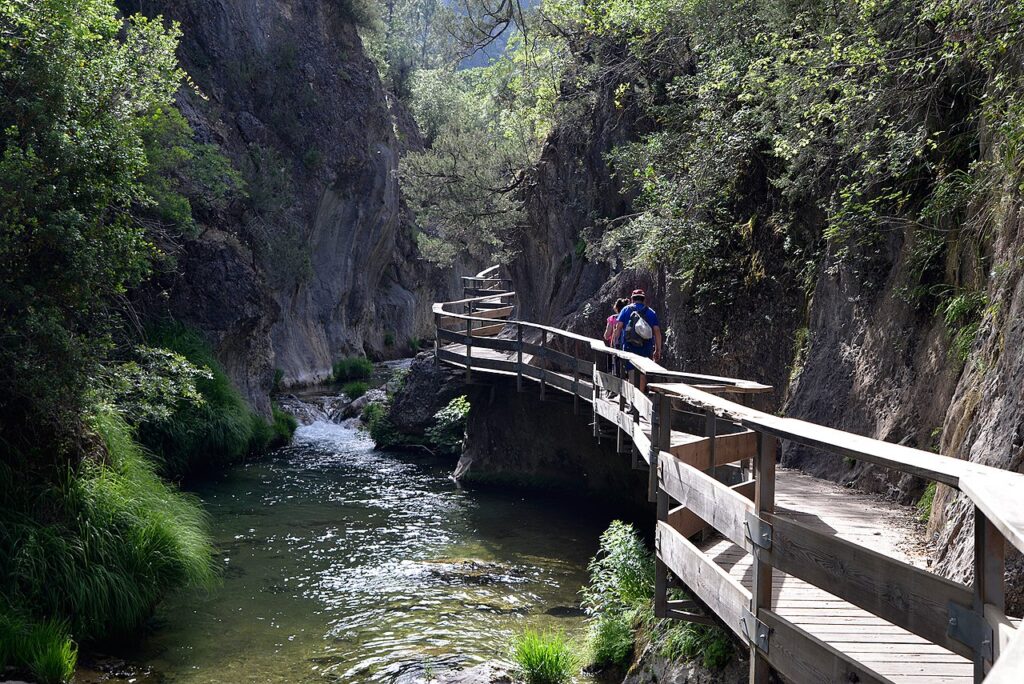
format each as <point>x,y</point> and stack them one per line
<point>287,93</point>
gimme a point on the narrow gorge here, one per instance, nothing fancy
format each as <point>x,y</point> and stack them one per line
<point>242,436</point>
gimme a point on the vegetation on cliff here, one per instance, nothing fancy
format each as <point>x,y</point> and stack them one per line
<point>97,169</point>
<point>216,430</point>
<point>782,139</point>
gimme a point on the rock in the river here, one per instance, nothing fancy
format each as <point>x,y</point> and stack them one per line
<point>488,673</point>
<point>651,668</point>
<point>355,408</point>
<point>428,388</point>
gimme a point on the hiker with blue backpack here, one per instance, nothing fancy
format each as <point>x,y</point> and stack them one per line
<point>637,328</point>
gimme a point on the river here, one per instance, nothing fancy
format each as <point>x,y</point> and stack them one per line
<point>346,564</point>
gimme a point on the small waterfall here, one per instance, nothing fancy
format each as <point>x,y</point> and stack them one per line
<point>309,409</point>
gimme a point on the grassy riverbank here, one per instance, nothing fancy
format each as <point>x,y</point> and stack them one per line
<point>89,554</point>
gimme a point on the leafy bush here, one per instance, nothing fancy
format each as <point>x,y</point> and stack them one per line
<point>384,433</point>
<point>352,368</point>
<point>622,572</point>
<point>104,545</point>
<point>220,430</point>
<point>610,639</point>
<point>544,658</point>
<point>355,389</point>
<point>449,426</point>
<point>619,598</point>
<point>619,595</point>
<point>71,167</point>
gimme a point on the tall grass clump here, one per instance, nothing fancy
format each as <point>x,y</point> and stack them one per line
<point>103,545</point>
<point>690,641</point>
<point>43,649</point>
<point>544,658</point>
<point>352,368</point>
<point>355,389</point>
<point>221,430</point>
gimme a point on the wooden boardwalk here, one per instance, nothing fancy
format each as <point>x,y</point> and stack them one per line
<point>850,597</point>
<point>892,652</point>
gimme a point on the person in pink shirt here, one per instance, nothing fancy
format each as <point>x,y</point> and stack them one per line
<point>609,328</point>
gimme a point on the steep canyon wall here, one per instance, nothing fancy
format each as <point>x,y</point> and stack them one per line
<point>319,261</point>
<point>848,349</point>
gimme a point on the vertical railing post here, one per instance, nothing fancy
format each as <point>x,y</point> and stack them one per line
<point>652,455</point>
<point>519,356</point>
<point>989,565</point>
<point>661,438</point>
<point>620,434</point>
<point>711,432</point>
<point>761,591</point>
<point>469,343</point>
<point>437,339</point>
<point>543,372</point>
<point>576,377</point>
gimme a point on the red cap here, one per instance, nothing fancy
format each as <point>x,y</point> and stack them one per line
<point>639,293</point>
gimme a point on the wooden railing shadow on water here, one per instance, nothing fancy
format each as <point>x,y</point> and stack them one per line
<point>720,535</point>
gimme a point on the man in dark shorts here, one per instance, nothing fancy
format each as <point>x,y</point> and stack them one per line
<point>629,340</point>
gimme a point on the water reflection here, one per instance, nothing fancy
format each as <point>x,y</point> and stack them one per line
<point>346,564</point>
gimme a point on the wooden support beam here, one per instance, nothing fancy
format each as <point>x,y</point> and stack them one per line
<point>661,437</point>
<point>709,499</point>
<point>728,448</point>
<point>703,578</point>
<point>989,565</point>
<point>519,357</point>
<point>761,591</point>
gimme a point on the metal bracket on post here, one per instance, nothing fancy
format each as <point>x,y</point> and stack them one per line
<point>756,631</point>
<point>969,628</point>
<point>758,531</point>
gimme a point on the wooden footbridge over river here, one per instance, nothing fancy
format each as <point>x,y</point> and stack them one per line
<point>798,572</point>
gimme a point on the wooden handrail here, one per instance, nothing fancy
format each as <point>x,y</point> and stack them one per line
<point>998,492</point>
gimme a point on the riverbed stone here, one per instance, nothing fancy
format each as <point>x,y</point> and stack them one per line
<point>427,389</point>
<point>651,668</point>
<point>488,673</point>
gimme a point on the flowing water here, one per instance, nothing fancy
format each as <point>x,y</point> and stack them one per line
<point>346,564</point>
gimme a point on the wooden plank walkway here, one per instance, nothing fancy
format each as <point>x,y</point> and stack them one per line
<point>887,649</point>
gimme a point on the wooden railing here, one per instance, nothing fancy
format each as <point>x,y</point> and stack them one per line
<point>725,441</point>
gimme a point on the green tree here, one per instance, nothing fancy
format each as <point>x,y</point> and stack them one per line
<point>78,87</point>
<point>484,128</point>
